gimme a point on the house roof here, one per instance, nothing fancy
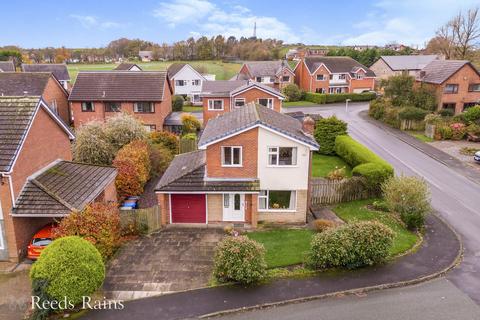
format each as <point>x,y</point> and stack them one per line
<point>16,117</point>
<point>336,65</point>
<point>250,116</point>
<point>174,68</point>
<point>221,87</point>
<point>126,66</point>
<point>23,83</point>
<point>59,70</point>
<point>438,71</point>
<point>119,86</point>
<point>7,66</point>
<point>62,188</point>
<point>186,173</point>
<point>266,68</point>
<point>411,62</point>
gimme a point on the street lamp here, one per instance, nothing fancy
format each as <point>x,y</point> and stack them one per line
<point>346,104</point>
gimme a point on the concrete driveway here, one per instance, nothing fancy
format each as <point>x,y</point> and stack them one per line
<point>170,260</point>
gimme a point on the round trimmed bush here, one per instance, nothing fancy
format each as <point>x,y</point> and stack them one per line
<point>351,246</point>
<point>326,130</point>
<point>71,267</point>
<point>177,103</point>
<point>293,92</point>
<point>239,259</point>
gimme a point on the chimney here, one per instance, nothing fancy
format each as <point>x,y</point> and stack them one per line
<point>308,125</point>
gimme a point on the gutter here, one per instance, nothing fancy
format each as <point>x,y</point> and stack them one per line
<point>10,182</point>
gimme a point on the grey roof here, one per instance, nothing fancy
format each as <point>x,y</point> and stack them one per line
<point>174,68</point>
<point>266,68</point>
<point>119,86</point>
<point>251,84</point>
<point>221,87</point>
<point>336,64</point>
<point>187,173</point>
<point>63,188</point>
<point>412,62</point>
<point>126,66</point>
<point>59,70</point>
<point>249,116</point>
<point>7,66</point>
<point>239,76</point>
<point>23,83</point>
<point>175,118</point>
<point>438,71</point>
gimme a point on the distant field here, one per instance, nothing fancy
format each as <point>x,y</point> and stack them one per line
<point>222,70</point>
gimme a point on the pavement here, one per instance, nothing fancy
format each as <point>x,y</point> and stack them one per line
<point>14,295</point>
<point>436,300</point>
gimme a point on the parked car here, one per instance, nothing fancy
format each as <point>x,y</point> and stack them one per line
<point>40,240</point>
<point>476,156</point>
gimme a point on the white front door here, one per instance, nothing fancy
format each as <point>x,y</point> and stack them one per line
<point>233,207</point>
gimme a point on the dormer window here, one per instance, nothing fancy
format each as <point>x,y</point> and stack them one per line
<point>231,156</point>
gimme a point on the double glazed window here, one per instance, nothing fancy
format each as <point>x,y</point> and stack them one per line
<point>474,87</point>
<point>150,127</point>
<point>88,107</point>
<point>180,83</point>
<point>112,106</point>
<point>282,156</point>
<point>451,88</point>
<point>276,200</point>
<point>196,82</point>
<point>215,104</point>
<point>231,156</point>
<point>266,102</point>
<point>320,77</point>
<point>239,102</point>
<point>143,107</point>
<point>286,79</point>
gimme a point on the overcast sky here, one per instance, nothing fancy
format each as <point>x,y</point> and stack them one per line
<point>93,23</point>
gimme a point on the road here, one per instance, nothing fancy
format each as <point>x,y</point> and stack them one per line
<point>436,300</point>
<point>454,197</point>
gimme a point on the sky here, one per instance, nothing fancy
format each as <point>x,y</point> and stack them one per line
<point>94,23</point>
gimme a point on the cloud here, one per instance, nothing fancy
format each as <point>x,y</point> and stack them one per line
<point>183,11</point>
<point>89,22</point>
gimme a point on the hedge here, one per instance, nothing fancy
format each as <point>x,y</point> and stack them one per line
<point>321,98</point>
<point>326,131</point>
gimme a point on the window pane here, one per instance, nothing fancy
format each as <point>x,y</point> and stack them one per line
<point>272,159</point>
<point>236,155</point>
<point>226,200</point>
<point>263,102</point>
<point>262,203</point>
<point>239,102</point>
<point>236,201</point>
<point>279,199</point>
<point>227,155</point>
<point>285,156</point>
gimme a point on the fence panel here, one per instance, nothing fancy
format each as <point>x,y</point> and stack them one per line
<point>144,220</point>
<point>323,191</point>
<point>187,145</point>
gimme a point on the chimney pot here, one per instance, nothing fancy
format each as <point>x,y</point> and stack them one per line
<point>308,125</point>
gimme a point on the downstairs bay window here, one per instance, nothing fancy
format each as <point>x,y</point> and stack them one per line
<point>280,200</point>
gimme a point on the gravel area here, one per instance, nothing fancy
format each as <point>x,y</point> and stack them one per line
<point>453,149</point>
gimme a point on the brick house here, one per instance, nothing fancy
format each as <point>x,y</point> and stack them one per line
<point>59,70</point>
<point>456,83</point>
<point>224,96</point>
<point>252,165</point>
<point>333,75</point>
<point>99,95</point>
<point>277,74</point>
<point>42,84</point>
<point>186,81</point>
<point>35,185</point>
<point>387,66</point>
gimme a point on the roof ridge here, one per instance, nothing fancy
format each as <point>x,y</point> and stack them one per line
<point>255,110</point>
<point>53,195</point>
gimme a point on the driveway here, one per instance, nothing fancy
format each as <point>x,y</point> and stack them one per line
<point>173,259</point>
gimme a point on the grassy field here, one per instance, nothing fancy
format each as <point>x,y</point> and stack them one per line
<point>191,108</point>
<point>323,164</point>
<point>420,136</point>
<point>222,70</point>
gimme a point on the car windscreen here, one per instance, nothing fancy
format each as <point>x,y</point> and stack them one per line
<point>41,242</point>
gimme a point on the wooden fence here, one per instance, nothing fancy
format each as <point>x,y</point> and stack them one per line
<point>323,191</point>
<point>141,220</point>
<point>187,145</point>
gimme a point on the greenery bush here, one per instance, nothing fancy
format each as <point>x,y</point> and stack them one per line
<point>122,129</point>
<point>317,98</point>
<point>474,129</point>
<point>472,115</point>
<point>292,92</point>
<point>177,103</point>
<point>190,123</point>
<point>412,113</point>
<point>446,133</point>
<point>239,259</point>
<point>374,174</point>
<point>433,118</point>
<point>459,130</point>
<point>350,246</point>
<point>377,109</point>
<point>190,136</point>
<point>399,89</point>
<point>446,112</point>
<point>337,174</point>
<point>91,145</point>
<point>165,138</point>
<point>321,225</point>
<point>98,223</point>
<point>326,130</point>
<point>408,196</point>
<point>70,268</point>
<point>160,159</point>
<point>354,97</point>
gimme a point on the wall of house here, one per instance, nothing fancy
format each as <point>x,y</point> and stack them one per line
<point>215,207</point>
<point>188,74</point>
<point>302,76</point>
<point>54,93</point>
<point>359,85</point>
<point>252,95</point>
<point>283,84</point>
<point>209,114</point>
<point>244,70</point>
<point>299,215</point>
<point>248,141</point>
<point>5,205</point>
<point>109,194</point>
<point>381,69</point>
<point>316,84</point>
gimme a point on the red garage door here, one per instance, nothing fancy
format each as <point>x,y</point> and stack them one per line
<point>188,208</point>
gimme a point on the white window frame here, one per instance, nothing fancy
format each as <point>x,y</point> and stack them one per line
<point>211,104</point>
<point>84,103</point>
<point>283,78</point>
<point>277,153</point>
<point>231,156</point>
<point>135,107</point>
<point>183,83</point>
<point>359,76</point>
<point>196,82</point>
<point>331,90</point>
<point>268,103</point>
<point>238,99</point>
<point>342,76</point>
<point>267,196</point>
<point>321,75</point>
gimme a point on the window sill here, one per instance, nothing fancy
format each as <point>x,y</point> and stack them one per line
<point>215,109</point>
<point>277,210</point>
<point>232,166</point>
<point>282,166</point>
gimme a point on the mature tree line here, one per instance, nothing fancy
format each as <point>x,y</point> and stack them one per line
<point>368,56</point>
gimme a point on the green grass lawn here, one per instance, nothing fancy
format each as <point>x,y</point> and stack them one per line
<point>356,211</point>
<point>283,246</point>
<point>420,136</point>
<point>222,70</point>
<point>323,164</point>
<point>298,104</point>
<point>191,108</point>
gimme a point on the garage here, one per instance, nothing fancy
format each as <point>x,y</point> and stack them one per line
<point>188,208</point>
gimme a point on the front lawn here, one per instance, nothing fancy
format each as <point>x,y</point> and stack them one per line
<point>298,104</point>
<point>191,108</point>
<point>323,164</point>
<point>357,211</point>
<point>283,246</point>
<point>421,136</point>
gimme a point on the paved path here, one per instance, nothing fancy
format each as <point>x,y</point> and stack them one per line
<point>439,250</point>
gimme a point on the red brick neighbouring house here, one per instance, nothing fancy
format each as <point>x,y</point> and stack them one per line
<point>456,83</point>
<point>99,95</point>
<point>224,96</point>
<point>277,74</point>
<point>59,71</point>
<point>333,75</point>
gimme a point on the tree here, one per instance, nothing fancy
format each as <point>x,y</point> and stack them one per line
<point>91,145</point>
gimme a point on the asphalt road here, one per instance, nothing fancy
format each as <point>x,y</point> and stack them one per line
<point>436,300</point>
<point>455,197</point>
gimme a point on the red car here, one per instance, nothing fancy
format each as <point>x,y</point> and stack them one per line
<point>40,240</point>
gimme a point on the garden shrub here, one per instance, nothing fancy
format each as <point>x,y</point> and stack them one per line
<point>472,115</point>
<point>190,136</point>
<point>292,92</point>
<point>177,103</point>
<point>380,205</point>
<point>337,174</point>
<point>446,113</point>
<point>374,173</point>
<point>239,259</point>
<point>190,123</point>
<point>409,197</point>
<point>459,130</point>
<point>91,145</point>
<point>168,139</point>
<point>446,133</point>
<point>412,113</point>
<point>459,118</point>
<point>99,223</point>
<point>318,98</point>
<point>350,246</point>
<point>377,109</point>
<point>321,225</point>
<point>69,268</point>
<point>433,118</point>
<point>391,117</point>
<point>122,129</point>
<point>326,130</point>
<point>354,97</point>
<point>399,89</point>
<point>160,159</point>
<point>474,129</point>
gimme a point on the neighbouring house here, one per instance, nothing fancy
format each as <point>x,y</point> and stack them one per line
<point>7,66</point>
<point>277,74</point>
<point>127,67</point>
<point>363,47</point>
<point>42,84</point>
<point>298,53</point>
<point>387,66</point>
<point>395,46</point>
<point>333,75</point>
<point>253,165</point>
<point>38,181</point>
<point>456,83</point>
<point>224,96</point>
<point>101,94</point>
<point>146,56</point>
<point>59,70</point>
<point>186,81</point>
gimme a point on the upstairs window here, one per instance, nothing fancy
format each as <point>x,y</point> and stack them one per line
<point>282,156</point>
<point>266,102</point>
<point>342,76</point>
<point>450,88</point>
<point>239,102</point>
<point>258,79</point>
<point>180,83</point>
<point>475,87</point>
<point>196,82</point>
<point>320,77</point>
<point>215,104</point>
<point>286,79</point>
<point>231,156</point>
<point>112,107</point>
<point>359,76</point>
<point>88,107</point>
<point>143,107</point>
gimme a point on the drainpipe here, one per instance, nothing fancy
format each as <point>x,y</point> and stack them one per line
<point>9,177</point>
